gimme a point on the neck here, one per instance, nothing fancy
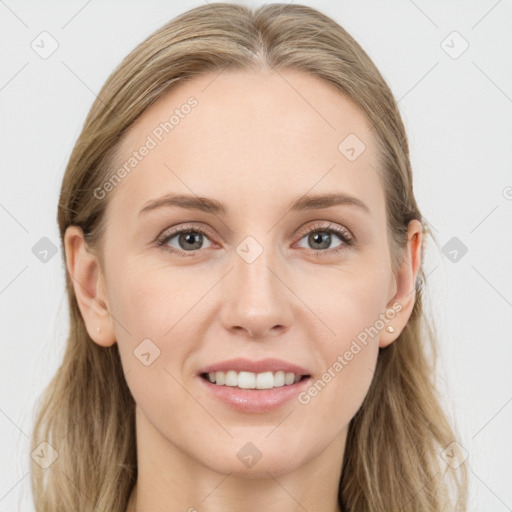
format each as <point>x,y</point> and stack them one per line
<point>169,479</point>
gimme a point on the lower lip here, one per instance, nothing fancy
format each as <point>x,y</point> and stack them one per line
<point>255,400</point>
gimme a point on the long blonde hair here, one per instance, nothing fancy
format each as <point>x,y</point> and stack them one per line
<point>87,414</point>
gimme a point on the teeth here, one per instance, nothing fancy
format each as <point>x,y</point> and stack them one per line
<point>231,378</point>
<point>250,380</point>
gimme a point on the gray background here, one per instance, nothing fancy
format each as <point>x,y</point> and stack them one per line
<point>458,114</point>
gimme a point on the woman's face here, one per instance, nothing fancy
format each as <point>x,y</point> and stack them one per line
<point>256,278</point>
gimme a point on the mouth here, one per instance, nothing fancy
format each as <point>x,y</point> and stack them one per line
<point>254,386</point>
<point>254,393</point>
<point>251,380</point>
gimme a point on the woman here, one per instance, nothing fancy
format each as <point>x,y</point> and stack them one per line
<point>244,256</point>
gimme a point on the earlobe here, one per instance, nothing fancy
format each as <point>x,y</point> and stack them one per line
<point>404,298</point>
<point>87,279</point>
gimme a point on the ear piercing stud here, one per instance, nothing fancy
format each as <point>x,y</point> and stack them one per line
<point>390,328</point>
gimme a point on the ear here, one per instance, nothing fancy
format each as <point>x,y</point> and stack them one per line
<point>89,286</point>
<point>402,302</point>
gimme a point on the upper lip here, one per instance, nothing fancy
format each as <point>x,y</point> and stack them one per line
<point>261,366</point>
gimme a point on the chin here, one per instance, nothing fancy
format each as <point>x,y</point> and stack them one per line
<point>256,459</point>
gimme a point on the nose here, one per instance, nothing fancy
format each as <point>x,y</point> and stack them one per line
<point>257,298</point>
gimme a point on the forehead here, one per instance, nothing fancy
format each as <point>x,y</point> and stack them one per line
<point>249,139</point>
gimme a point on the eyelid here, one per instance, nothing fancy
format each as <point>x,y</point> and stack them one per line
<point>183,227</point>
<point>338,229</point>
<point>343,233</point>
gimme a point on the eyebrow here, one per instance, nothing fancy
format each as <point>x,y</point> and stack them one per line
<point>208,205</point>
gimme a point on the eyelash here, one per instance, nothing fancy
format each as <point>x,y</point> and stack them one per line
<point>343,234</point>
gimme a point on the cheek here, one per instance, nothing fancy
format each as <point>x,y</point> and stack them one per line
<point>149,302</point>
<point>352,310</point>
<point>150,308</point>
<point>155,309</point>
<point>333,398</point>
<point>337,392</point>
<point>350,301</point>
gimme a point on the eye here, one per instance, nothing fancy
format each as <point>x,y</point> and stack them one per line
<point>320,237</point>
<point>188,238</point>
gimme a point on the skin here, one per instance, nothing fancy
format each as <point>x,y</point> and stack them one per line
<point>254,143</point>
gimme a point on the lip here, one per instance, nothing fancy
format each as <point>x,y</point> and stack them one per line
<point>254,400</point>
<point>246,365</point>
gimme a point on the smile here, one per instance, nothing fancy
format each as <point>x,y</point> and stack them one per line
<point>251,380</point>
